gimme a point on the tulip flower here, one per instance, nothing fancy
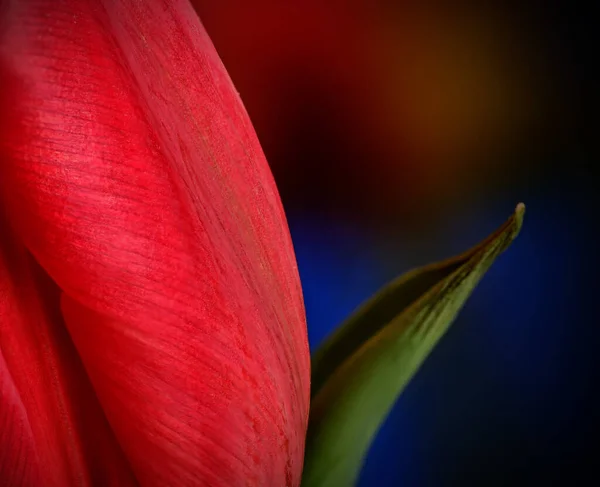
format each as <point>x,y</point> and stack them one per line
<point>152,328</point>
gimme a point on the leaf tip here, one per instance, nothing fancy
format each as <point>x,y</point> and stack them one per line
<point>518,219</point>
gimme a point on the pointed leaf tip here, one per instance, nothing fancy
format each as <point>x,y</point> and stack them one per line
<point>359,372</point>
<point>519,216</point>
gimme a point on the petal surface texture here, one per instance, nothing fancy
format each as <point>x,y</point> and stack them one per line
<point>147,218</point>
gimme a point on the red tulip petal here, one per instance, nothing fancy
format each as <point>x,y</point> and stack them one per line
<point>135,179</point>
<point>51,425</point>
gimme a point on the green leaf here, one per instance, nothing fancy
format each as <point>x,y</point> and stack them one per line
<point>359,372</point>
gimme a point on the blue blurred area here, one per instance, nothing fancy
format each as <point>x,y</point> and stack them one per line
<point>338,271</point>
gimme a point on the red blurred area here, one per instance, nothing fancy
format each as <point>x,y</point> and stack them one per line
<point>305,74</point>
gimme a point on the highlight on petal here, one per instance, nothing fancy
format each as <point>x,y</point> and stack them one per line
<point>133,177</point>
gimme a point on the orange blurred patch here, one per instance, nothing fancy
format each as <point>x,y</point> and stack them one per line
<point>455,88</point>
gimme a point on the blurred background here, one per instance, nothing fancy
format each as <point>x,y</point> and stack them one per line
<point>401,134</point>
